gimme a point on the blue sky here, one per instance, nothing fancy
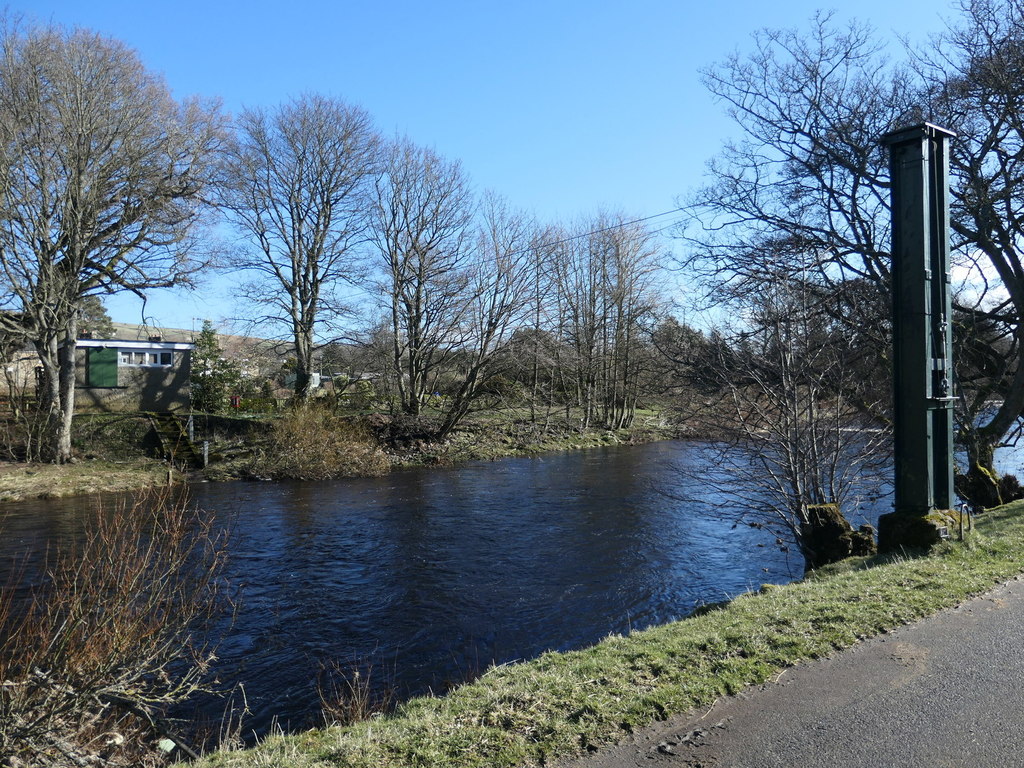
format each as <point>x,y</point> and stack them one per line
<point>561,106</point>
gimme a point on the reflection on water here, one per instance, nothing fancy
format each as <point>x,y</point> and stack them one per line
<point>437,574</point>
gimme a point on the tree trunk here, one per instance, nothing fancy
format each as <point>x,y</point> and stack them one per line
<point>62,438</point>
<point>48,395</point>
<point>303,335</point>
<point>57,395</point>
<point>981,484</point>
<point>414,395</point>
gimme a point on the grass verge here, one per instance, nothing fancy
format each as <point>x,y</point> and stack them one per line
<point>563,704</point>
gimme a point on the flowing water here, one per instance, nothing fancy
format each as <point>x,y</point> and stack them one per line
<point>434,575</point>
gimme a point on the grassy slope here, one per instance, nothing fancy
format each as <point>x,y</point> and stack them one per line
<point>561,704</point>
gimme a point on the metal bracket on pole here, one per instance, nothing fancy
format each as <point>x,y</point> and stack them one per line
<point>922,337</point>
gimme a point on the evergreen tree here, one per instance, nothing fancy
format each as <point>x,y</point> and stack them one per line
<point>93,318</point>
<point>213,378</point>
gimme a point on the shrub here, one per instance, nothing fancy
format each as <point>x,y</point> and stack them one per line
<point>359,395</point>
<point>213,377</point>
<point>109,635</point>
<point>310,442</point>
<point>504,389</point>
<point>23,429</point>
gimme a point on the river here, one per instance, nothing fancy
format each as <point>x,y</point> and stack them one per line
<point>433,575</point>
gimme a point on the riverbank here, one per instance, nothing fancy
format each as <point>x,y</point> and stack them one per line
<point>20,481</point>
<point>111,451</point>
<point>560,706</point>
<point>497,436</point>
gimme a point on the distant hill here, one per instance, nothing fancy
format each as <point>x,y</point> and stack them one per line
<point>136,332</point>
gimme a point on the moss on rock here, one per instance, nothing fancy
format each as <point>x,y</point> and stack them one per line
<point>827,536</point>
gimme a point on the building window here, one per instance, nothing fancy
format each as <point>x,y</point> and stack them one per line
<point>146,359</point>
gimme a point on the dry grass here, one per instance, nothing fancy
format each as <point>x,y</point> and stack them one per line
<point>311,442</point>
<point>20,481</point>
<point>348,694</point>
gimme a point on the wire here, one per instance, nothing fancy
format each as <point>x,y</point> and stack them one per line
<point>620,225</point>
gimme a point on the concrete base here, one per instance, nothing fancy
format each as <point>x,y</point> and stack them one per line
<point>898,530</point>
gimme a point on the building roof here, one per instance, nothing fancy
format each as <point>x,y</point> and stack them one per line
<point>133,344</point>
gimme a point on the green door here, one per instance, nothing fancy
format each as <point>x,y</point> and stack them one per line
<point>101,367</point>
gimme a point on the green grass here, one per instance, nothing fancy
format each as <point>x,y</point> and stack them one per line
<point>562,704</point>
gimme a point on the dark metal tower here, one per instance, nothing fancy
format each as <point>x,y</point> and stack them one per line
<point>922,335</point>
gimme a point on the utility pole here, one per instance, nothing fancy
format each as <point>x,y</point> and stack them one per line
<point>922,338</point>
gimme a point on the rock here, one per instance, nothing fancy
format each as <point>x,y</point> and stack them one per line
<point>862,543</point>
<point>666,749</point>
<point>694,737</point>
<point>827,536</point>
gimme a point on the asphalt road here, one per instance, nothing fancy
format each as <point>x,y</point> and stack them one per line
<point>946,691</point>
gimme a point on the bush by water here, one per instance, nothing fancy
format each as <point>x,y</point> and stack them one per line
<point>311,442</point>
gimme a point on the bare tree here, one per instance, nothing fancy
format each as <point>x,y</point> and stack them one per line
<point>102,173</point>
<point>805,190</point>
<point>498,299</point>
<point>630,268</point>
<point>541,345</point>
<point>296,185</point>
<point>974,84</point>
<point>793,454</point>
<point>605,305</point>
<point>422,226</point>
